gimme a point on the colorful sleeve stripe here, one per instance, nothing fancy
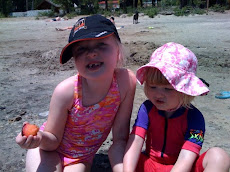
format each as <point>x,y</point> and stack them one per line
<point>192,147</point>
<point>139,131</point>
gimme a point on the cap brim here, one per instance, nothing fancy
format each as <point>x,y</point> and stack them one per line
<point>185,82</point>
<point>66,53</point>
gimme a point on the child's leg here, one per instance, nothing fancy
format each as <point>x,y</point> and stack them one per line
<point>81,167</point>
<point>216,159</point>
<point>38,160</point>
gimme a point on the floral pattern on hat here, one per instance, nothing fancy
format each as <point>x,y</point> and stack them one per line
<point>178,64</point>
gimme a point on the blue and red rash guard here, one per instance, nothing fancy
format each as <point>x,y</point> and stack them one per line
<point>165,137</point>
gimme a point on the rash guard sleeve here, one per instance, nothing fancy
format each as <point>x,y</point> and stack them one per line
<point>194,137</point>
<point>142,121</point>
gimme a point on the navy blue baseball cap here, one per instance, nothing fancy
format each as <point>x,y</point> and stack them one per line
<point>88,28</point>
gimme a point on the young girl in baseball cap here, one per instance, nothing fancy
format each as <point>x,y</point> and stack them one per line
<point>85,107</point>
<point>171,126</point>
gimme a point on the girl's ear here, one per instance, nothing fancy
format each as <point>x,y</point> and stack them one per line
<point>118,57</point>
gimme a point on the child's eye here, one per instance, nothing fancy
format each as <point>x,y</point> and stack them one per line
<point>169,89</point>
<point>152,87</point>
<point>102,46</point>
<point>80,51</point>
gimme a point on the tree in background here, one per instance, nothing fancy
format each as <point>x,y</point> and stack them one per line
<point>183,3</point>
<point>106,5</point>
<point>153,3</point>
<point>67,5</point>
<point>19,5</point>
<point>123,5</point>
<point>5,7</point>
<point>91,6</point>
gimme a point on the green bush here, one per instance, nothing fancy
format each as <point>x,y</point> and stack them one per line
<point>2,15</point>
<point>118,12</point>
<point>218,8</point>
<point>71,15</point>
<point>198,11</point>
<point>105,13</point>
<point>181,12</point>
<point>151,12</point>
<point>48,14</point>
<point>200,3</point>
<point>115,13</point>
<point>185,11</point>
<point>130,14</point>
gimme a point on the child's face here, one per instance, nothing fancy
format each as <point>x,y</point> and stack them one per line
<point>96,58</point>
<point>164,97</point>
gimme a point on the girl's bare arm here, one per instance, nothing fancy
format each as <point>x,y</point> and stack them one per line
<point>120,130</point>
<point>132,152</point>
<point>61,102</point>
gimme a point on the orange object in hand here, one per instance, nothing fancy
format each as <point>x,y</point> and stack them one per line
<point>29,129</point>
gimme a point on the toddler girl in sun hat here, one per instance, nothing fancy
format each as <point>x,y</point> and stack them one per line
<point>171,126</point>
<point>86,106</point>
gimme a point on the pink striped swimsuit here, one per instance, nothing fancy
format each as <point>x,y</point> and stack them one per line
<point>88,127</point>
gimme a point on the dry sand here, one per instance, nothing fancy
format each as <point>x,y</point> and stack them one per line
<point>30,70</point>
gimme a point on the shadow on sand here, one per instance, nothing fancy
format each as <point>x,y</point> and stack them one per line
<point>101,163</point>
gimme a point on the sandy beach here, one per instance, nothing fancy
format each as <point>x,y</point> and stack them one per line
<point>30,70</point>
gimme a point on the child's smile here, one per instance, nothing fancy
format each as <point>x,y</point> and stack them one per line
<point>94,66</point>
<point>96,58</point>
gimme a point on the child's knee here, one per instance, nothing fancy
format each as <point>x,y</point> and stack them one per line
<point>39,160</point>
<point>218,156</point>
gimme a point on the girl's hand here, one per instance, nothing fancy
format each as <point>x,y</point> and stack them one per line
<point>29,142</point>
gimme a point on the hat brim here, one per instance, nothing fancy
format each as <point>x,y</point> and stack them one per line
<point>184,82</point>
<point>66,53</point>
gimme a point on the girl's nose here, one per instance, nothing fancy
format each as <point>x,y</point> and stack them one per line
<point>159,93</point>
<point>91,52</point>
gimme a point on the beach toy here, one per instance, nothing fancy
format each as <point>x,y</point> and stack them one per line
<point>150,27</point>
<point>29,129</point>
<point>120,27</point>
<point>223,95</point>
<point>43,114</point>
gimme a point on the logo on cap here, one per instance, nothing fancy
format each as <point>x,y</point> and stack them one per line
<point>80,25</point>
<point>102,33</point>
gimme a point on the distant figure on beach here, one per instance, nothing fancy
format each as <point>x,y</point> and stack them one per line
<point>57,19</point>
<point>135,18</point>
<point>112,19</point>
<point>86,106</point>
<point>172,128</point>
<point>64,28</point>
<point>70,27</point>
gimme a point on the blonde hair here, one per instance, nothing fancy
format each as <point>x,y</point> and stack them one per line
<point>121,59</point>
<point>154,76</point>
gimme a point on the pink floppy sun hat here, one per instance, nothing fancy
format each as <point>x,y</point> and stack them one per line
<point>178,64</point>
